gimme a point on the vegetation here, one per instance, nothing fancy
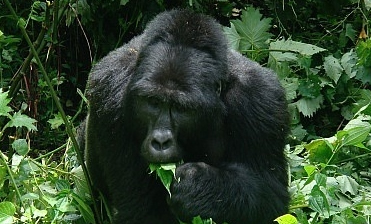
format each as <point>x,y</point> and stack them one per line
<point>321,51</point>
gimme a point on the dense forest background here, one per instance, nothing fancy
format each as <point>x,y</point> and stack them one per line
<point>320,49</point>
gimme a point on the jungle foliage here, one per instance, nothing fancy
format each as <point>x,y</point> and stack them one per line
<point>321,51</point>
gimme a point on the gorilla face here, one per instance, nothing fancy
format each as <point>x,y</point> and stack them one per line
<point>177,100</point>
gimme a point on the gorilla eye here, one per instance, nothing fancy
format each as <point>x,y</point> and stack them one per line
<point>154,102</point>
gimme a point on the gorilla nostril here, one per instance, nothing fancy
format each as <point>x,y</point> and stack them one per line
<point>156,145</point>
<point>162,140</point>
<point>159,146</point>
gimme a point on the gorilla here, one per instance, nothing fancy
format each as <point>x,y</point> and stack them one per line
<point>178,93</point>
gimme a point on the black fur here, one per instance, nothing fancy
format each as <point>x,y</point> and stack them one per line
<point>174,93</point>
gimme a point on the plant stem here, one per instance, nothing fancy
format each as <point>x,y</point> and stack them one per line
<point>58,104</point>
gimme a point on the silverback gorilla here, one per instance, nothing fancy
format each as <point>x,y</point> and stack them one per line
<point>178,93</point>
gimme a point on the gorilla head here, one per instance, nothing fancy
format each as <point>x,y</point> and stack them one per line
<point>175,92</point>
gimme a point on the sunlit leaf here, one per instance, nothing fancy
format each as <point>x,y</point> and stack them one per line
<point>286,219</point>
<point>7,211</point>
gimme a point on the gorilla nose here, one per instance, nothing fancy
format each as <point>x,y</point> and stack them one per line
<point>162,140</point>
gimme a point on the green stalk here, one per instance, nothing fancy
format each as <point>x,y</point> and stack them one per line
<point>70,133</point>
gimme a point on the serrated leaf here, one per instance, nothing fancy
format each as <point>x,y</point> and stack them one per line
<point>252,29</point>
<point>291,86</point>
<point>56,121</point>
<point>347,184</point>
<point>308,106</point>
<point>20,146</point>
<point>21,120</point>
<point>348,61</point>
<point>294,46</point>
<point>4,101</point>
<point>318,201</point>
<point>232,37</point>
<point>286,219</point>
<point>333,68</point>
<point>7,211</point>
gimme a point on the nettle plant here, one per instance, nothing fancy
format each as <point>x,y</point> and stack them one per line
<point>330,176</point>
<point>38,190</point>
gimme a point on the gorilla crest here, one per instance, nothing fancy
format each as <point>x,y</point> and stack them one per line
<point>178,93</point>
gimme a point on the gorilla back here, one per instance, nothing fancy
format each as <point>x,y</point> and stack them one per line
<point>178,93</point>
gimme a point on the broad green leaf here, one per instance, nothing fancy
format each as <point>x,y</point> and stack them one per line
<point>166,173</point>
<point>309,169</point>
<point>347,184</point>
<point>320,179</point>
<point>286,219</point>
<point>232,37</point>
<point>20,146</point>
<point>320,150</point>
<point>333,68</point>
<point>367,4</point>
<point>308,106</point>
<point>348,61</point>
<point>356,132</point>
<point>294,46</point>
<point>84,209</point>
<point>30,196</point>
<point>21,120</point>
<point>7,211</point>
<point>252,29</point>
<point>318,201</point>
<point>4,101</point>
<point>350,32</point>
<point>81,186</point>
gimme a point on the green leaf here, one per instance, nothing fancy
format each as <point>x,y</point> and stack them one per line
<point>308,106</point>
<point>7,211</point>
<point>291,86</point>
<point>320,150</point>
<point>350,32</point>
<point>367,4</point>
<point>81,186</point>
<point>309,169</point>
<point>165,172</point>
<point>123,2</point>
<point>232,37</point>
<point>347,184</point>
<point>286,219</point>
<point>348,61</point>
<point>56,121</point>
<point>318,201</point>
<point>252,29</point>
<point>333,68</point>
<point>4,101</point>
<point>294,46</point>
<point>356,132</point>
<point>20,146</point>
<point>21,120</point>
<point>84,209</point>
